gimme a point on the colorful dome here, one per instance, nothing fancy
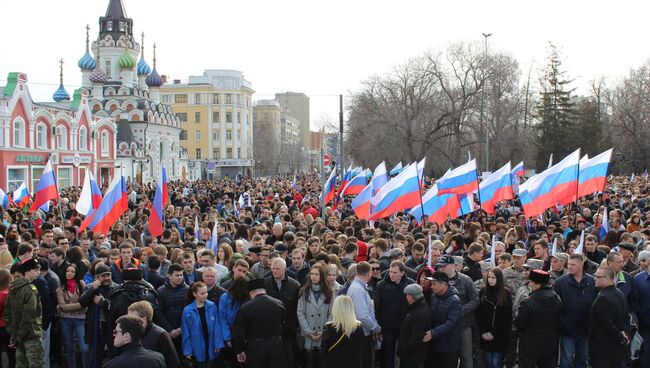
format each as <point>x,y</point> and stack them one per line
<point>153,79</point>
<point>143,67</point>
<point>87,62</point>
<point>98,76</point>
<point>61,94</point>
<point>126,61</point>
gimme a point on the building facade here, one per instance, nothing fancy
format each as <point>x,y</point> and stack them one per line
<point>278,146</point>
<point>296,104</point>
<point>216,115</point>
<point>129,92</point>
<point>65,131</point>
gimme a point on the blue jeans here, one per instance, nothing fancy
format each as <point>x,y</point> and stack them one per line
<point>70,327</point>
<point>573,346</point>
<point>493,359</point>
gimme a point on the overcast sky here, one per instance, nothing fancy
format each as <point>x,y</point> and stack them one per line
<point>323,48</point>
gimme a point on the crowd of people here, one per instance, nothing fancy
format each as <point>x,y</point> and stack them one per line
<point>291,286</point>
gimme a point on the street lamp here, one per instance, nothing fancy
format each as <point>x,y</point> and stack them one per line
<point>485,123</point>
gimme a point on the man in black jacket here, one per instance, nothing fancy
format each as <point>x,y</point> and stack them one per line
<point>285,289</point>
<point>96,327</point>
<point>128,336</point>
<point>609,327</point>
<point>411,350</point>
<point>538,323</point>
<point>391,308</point>
<point>155,337</point>
<point>171,298</point>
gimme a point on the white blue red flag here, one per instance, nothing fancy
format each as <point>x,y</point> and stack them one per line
<point>496,187</point>
<point>461,180</point>
<point>90,197</point>
<point>46,190</point>
<point>114,204</point>
<point>21,195</point>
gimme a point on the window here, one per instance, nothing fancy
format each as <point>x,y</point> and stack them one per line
<point>105,143</point>
<point>64,177</point>
<point>83,139</point>
<point>215,98</point>
<point>122,26</point>
<point>165,99</point>
<point>215,116</point>
<point>180,98</point>
<point>197,98</point>
<point>266,117</point>
<point>228,98</point>
<point>19,133</point>
<point>229,135</point>
<point>182,116</point>
<point>109,26</point>
<point>228,152</point>
<point>238,152</point>
<point>238,118</point>
<point>215,136</point>
<point>107,69</point>
<point>183,135</point>
<point>229,117</point>
<point>36,176</point>
<point>61,137</point>
<point>41,136</point>
<point>15,177</point>
<point>197,135</point>
<point>197,117</point>
<point>215,153</point>
<point>198,153</point>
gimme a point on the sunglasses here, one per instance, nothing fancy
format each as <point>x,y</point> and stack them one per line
<point>375,268</point>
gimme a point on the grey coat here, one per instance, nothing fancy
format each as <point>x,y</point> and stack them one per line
<point>312,316</point>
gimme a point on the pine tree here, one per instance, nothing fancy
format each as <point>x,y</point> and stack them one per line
<point>556,111</point>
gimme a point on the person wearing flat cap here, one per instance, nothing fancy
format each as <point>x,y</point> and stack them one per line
<point>257,331</point>
<point>538,323</point>
<point>411,350</point>
<point>627,252</point>
<point>445,333</point>
<point>23,314</point>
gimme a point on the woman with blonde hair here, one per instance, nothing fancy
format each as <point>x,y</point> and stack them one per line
<point>6,260</point>
<point>343,336</point>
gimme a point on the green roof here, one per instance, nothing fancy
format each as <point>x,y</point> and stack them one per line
<point>12,81</point>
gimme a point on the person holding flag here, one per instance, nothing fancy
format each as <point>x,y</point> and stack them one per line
<point>156,221</point>
<point>46,190</point>
<point>21,195</point>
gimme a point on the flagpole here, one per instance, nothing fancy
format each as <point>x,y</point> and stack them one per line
<point>420,180</point>
<point>58,201</point>
<point>126,232</point>
<point>578,181</point>
<point>480,203</point>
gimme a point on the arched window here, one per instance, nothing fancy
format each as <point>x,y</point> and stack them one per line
<point>83,139</point>
<point>19,133</point>
<point>41,136</point>
<point>61,137</point>
<point>105,143</point>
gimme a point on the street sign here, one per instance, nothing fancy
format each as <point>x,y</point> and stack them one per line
<point>327,160</point>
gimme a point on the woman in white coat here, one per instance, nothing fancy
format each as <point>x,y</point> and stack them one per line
<point>314,310</point>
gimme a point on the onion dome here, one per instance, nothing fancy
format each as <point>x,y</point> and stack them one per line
<point>87,62</point>
<point>98,75</point>
<point>125,61</point>
<point>143,68</point>
<point>153,79</point>
<point>61,94</point>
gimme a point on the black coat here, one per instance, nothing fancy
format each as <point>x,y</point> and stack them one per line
<point>262,317</point>
<point>538,322</point>
<point>157,339</point>
<point>347,353</point>
<point>496,319</point>
<point>171,301</point>
<point>609,317</point>
<point>390,304</point>
<point>127,294</point>
<point>155,279</point>
<point>94,311</point>
<point>289,298</point>
<point>134,355</point>
<point>446,322</point>
<point>410,347</point>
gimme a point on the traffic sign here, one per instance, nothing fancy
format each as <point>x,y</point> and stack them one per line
<point>327,160</point>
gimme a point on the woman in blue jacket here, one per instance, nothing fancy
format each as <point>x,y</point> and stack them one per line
<point>200,327</point>
<point>229,304</point>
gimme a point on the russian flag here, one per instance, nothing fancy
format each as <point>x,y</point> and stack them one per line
<point>21,195</point>
<point>379,178</point>
<point>461,180</point>
<point>213,244</point>
<point>396,170</point>
<point>46,189</point>
<point>90,197</point>
<point>519,169</point>
<point>197,228</point>
<point>347,175</point>
<point>400,193</point>
<point>465,204</point>
<point>361,203</point>
<point>604,224</point>
<point>437,207</point>
<point>356,185</point>
<point>593,174</point>
<point>329,191</point>
<point>551,186</point>
<point>163,180</point>
<point>496,187</point>
<point>294,185</point>
<point>4,199</point>
<point>114,204</point>
<point>156,218</point>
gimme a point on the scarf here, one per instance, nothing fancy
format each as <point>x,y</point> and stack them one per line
<point>71,286</point>
<point>315,290</point>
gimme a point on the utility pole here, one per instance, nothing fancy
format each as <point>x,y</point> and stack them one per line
<point>341,133</point>
<point>322,181</point>
<point>485,122</point>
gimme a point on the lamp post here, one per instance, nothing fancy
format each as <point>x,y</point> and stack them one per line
<point>485,122</point>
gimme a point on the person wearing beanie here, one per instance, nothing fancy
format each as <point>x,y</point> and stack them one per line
<point>23,314</point>
<point>411,350</point>
<point>538,323</point>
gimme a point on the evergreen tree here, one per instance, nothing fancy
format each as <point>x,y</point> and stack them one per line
<point>556,112</point>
